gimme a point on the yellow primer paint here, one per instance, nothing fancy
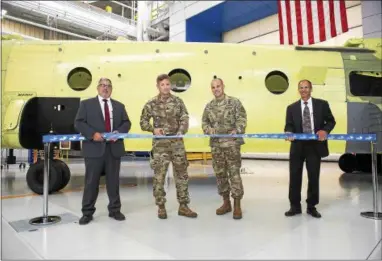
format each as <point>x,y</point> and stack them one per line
<point>41,69</point>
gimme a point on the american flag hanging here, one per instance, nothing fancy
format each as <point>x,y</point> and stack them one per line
<point>304,22</point>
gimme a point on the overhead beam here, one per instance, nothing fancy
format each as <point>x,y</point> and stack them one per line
<point>47,27</point>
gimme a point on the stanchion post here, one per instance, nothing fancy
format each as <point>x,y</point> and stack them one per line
<point>47,154</point>
<point>375,214</point>
<point>45,219</point>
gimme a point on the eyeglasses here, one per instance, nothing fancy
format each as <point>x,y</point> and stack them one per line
<point>304,87</point>
<point>104,85</point>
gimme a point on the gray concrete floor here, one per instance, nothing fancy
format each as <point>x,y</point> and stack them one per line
<point>263,233</point>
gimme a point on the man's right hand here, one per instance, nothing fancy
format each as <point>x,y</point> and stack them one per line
<point>97,137</point>
<point>289,138</point>
<point>211,131</point>
<point>158,131</point>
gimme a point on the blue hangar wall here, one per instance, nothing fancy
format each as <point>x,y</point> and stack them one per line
<point>209,25</point>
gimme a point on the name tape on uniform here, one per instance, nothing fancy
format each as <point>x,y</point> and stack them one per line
<point>297,136</point>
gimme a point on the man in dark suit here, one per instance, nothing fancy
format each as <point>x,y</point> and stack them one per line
<point>313,116</point>
<point>96,116</point>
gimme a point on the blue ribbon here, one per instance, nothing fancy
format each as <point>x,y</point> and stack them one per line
<point>297,136</point>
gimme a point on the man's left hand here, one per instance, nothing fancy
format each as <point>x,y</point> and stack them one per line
<point>233,132</point>
<point>114,140</point>
<point>322,135</point>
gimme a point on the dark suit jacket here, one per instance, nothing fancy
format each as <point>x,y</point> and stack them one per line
<point>323,120</point>
<point>89,120</point>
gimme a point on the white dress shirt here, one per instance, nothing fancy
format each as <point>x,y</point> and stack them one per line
<point>102,103</point>
<point>310,106</point>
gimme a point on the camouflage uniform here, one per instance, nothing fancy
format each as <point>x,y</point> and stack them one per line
<point>172,116</point>
<point>225,115</point>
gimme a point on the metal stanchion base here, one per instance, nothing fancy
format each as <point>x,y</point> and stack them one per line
<point>372,215</point>
<point>43,221</point>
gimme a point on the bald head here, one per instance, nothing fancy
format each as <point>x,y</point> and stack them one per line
<point>219,80</point>
<point>217,87</point>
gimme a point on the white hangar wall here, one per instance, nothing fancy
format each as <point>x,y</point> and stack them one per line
<point>372,19</point>
<point>266,31</point>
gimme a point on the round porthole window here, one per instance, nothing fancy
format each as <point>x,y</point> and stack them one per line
<point>79,79</point>
<point>180,80</point>
<point>276,82</point>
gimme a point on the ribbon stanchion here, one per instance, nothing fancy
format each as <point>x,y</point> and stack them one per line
<point>47,139</point>
<point>375,214</point>
<point>45,219</point>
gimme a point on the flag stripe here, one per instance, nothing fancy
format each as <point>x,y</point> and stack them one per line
<point>327,19</point>
<point>321,20</point>
<point>285,29</point>
<point>337,17</point>
<point>316,26</point>
<point>344,20</point>
<point>281,22</point>
<point>309,21</point>
<point>299,22</point>
<point>304,22</point>
<point>289,25</point>
<point>293,21</point>
<point>333,31</point>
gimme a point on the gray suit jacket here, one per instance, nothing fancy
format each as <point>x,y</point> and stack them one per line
<point>89,120</point>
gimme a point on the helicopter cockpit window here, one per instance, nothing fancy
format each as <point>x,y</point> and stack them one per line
<point>366,83</point>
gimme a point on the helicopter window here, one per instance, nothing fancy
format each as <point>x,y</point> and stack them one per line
<point>79,79</point>
<point>180,80</point>
<point>366,83</point>
<point>276,82</point>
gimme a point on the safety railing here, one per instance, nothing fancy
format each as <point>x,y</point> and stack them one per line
<point>48,139</point>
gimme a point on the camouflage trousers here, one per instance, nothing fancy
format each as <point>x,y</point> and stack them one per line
<point>164,152</point>
<point>226,162</point>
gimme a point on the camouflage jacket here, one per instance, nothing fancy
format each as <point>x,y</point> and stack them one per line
<point>224,116</point>
<point>170,115</point>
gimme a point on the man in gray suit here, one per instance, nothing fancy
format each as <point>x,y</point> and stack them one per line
<point>96,116</point>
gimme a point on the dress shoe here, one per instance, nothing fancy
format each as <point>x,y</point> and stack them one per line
<point>85,220</point>
<point>313,212</point>
<point>117,216</point>
<point>292,212</point>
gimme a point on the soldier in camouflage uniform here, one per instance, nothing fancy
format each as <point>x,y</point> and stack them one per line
<point>226,115</point>
<point>170,117</point>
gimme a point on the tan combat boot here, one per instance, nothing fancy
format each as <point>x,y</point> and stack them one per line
<point>184,210</point>
<point>162,214</point>
<point>226,207</point>
<point>236,209</point>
